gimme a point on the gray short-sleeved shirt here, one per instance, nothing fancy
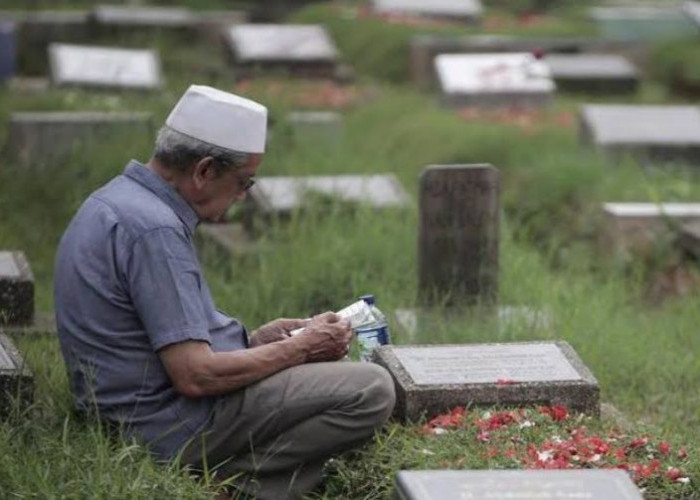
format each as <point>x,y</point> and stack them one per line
<point>128,283</point>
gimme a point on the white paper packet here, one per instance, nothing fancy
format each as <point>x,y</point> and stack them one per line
<point>358,313</point>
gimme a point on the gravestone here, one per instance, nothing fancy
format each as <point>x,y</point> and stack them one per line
<point>458,234</point>
<point>593,73</point>
<point>690,238</point>
<point>424,49</point>
<point>589,484</point>
<point>516,80</point>
<point>649,133</point>
<point>222,241</point>
<point>42,138</point>
<point>322,126</point>
<point>642,23</point>
<point>129,17</point>
<point>16,289</point>
<point>430,380</point>
<point>469,11</point>
<point>297,50</point>
<point>634,228</point>
<point>692,12</point>
<point>16,380</point>
<point>7,50</point>
<point>104,67</point>
<point>280,196</point>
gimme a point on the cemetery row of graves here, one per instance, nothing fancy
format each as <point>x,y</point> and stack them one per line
<point>522,206</point>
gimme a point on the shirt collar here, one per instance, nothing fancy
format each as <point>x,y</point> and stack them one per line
<point>155,183</point>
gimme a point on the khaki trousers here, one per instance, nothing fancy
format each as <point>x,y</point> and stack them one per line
<point>276,434</point>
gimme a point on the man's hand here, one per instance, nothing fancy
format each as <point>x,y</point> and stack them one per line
<point>275,330</point>
<point>325,338</point>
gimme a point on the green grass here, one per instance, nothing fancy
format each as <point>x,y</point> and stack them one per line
<point>643,356</point>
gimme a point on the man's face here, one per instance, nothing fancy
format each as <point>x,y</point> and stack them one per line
<point>219,193</point>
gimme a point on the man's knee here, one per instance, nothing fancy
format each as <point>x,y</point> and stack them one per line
<point>377,389</point>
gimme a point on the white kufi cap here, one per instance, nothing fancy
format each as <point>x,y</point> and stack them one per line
<point>221,119</point>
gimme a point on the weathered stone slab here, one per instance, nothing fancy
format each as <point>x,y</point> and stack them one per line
<point>297,49</point>
<point>424,49</point>
<point>279,196</point>
<point>458,234</point>
<point>16,289</point>
<point>649,133</point>
<point>324,126</point>
<point>16,380</point>
<point>44,323</point>
<point>494,80</point>
<point>7,50</point>
<point>690,238</point>
<point>44,138</point>
<point>593,73</point>
<point>643,23</point>
<point>432,379</point>
<point>104,67</point>
<point>223,241</point>
<point>131,16</point>
<point>634,228</point>
<point>469,11</point>
<point>591,484</point>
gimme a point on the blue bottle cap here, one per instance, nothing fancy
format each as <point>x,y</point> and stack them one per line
<point>369,299</point>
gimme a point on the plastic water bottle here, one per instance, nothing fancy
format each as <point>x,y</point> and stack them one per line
<point>371,336</point>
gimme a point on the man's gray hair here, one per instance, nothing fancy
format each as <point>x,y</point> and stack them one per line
<point>178,151</point>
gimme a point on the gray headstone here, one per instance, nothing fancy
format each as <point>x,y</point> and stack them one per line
<point>47,138</point>
<point>295,48</point>
<point>105,67</point>
<point>643,23</point>
<point>424,49</point>
<point>458,233</point>
<point>430,380</point>
<point>634,228</point>
<point>465,10</point>
<point>650,133</point>
<point>148,17</point>
<point>16,289</point>
<point>494,80</point>
<point>222,241</point>
<point>325,126</point>
<point>692,11</point>
<point>515,484</point>
<point>279,196</point>
<point>690,238</point>
<point>593,73</point>
<point>16,380</point>
<point>7,50</point>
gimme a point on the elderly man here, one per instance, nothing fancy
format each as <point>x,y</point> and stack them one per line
<point>146,347</point>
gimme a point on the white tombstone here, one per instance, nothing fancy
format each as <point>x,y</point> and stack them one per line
<point>650,132</point>
<point>494,80</point>
<point>281,195</point>
<point>634,228</point>
<point>469,10</point>
<point>152,17</point>
<point>105,67</point>
<point>692,11</point>
<point>277,42</point>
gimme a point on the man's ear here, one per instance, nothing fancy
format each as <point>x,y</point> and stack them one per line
<point>203,171</point>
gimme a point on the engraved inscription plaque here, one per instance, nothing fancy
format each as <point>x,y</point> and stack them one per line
<point>486,364</point>
<point>8,266</point>
<point>516,484</point>
<point>105,67</point>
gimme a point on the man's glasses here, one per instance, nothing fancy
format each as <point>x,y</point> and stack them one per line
<point>246,184</point>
